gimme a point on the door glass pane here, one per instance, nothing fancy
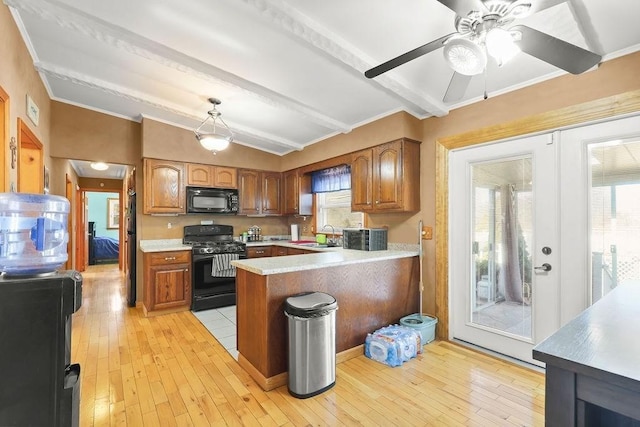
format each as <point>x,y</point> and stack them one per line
<point>501,235</point>
<point>615,215</point>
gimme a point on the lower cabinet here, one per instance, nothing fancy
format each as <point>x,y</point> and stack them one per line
<point>266,251</point>
<point>296,251</point>
<point>279,251</point>
<point>259,251</point>
<point>167,281</point>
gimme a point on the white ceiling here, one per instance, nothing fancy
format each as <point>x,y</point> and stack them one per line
<point>84,169</point>
<point>289,73</point>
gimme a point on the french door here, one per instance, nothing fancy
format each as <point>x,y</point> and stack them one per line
<point>503,256</point>
<point>540,228</point>
<point>600,196</point>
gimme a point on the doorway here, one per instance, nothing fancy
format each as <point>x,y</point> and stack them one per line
<point>554,217</point>
<point>503,222</point>
<point>4,140</point>
<point>103,227</point>
<point>600,167</point>
<point>31,172</point>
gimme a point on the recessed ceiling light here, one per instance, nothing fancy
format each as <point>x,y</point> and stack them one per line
<point>99,166</point>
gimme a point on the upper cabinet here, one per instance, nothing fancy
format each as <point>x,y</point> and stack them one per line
<point>259,192</point>
<point>164,187</point>
<point>362,181</point>
<point>211,176</point>
<point>296,193</point>
<point>386,178</point>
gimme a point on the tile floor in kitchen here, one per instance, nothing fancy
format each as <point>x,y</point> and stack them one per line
<point>221,322</point>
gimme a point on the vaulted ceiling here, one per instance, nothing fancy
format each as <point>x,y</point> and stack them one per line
<point>289,73</point>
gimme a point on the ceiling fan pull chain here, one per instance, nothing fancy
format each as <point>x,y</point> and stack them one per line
<point>485,83</point>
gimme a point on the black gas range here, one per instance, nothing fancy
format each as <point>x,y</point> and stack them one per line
<point>213,277</point>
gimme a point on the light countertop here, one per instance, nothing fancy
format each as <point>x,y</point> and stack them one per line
<point>326,257</point>
<point>162,245</point>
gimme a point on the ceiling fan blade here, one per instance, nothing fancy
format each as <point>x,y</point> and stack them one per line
<point>556,52</point>
<point>406,57</point>
<point>457,87</point>
<point>463,7</point>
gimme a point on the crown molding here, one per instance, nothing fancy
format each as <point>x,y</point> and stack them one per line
<point>120,38</point>
<point>79,79</point>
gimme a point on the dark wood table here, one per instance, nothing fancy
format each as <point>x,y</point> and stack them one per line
<point>593,364</point>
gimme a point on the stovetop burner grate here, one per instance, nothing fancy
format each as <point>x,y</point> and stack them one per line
<point>211,239</point>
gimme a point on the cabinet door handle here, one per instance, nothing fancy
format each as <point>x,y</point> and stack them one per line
<point>169,258</point>
<point>259,252</point>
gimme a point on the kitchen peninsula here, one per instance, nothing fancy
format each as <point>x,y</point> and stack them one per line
<point>373,289</point>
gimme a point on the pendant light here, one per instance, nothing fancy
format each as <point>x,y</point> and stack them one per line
<point>220,135</point>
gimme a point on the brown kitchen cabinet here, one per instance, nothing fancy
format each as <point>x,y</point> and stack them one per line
<point>211,176</point>
<point>164,187</point>
<point>259,192</point>
<point>296,193</point>
<point>167,282</point>
<point>279,251</point>
<point>296,251</point>
<point>259,251</point>
<point>386,178</point>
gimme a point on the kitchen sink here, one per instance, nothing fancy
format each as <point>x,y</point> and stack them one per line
<point>317,245</point>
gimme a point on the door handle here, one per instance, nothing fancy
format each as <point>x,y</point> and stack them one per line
<point>544,267</point>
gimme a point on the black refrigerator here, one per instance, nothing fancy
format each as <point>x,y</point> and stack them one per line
<point>92,247</point>
<point>39,385</point>
<point>131,249</point>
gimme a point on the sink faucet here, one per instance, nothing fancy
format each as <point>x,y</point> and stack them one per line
<point>333,233</point>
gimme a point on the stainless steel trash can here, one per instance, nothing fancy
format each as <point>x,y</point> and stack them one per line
<point>312,343</point>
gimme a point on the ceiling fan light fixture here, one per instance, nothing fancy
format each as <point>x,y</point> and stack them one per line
<point>99,166</point>
<point>501,45</point>
<point>465,57</point>
<point>220,136</point>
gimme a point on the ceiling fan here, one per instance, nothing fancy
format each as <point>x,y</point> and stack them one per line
<point>483,26</point>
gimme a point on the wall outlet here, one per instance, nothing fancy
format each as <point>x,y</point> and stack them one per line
<point>305,229</point>
<point>427,233</point>
<point>169,225</point>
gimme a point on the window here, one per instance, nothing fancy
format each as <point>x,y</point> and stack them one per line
<point>334,208</point>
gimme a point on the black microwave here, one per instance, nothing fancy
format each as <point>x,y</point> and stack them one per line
<point>212,200</point>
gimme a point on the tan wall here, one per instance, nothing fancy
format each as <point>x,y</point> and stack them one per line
<point>392,127</point>
<point>18,78</point>
<point>162,141</point>
<point>81,134</point>
<point>58,186</point>
<point>614,77</point>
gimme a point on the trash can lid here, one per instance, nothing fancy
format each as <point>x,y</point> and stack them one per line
<point>308,304</point>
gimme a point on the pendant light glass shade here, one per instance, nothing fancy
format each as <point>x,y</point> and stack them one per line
<point>220,135</point>
<point>213,142</point>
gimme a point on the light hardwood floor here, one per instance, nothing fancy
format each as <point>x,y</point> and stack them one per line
<point>170,371</point>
